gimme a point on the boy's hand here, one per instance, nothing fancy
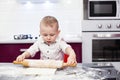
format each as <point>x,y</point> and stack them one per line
<point>71,60</point>
<point>23,56</point>
<point>20,58</point>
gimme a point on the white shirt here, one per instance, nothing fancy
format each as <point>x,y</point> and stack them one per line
<point>53,51</point>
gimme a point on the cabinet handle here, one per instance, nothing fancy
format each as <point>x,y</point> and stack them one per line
<point>23,50</point>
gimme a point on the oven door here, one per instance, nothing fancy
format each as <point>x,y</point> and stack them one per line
<point>106,48</point>
<point>101,47</point>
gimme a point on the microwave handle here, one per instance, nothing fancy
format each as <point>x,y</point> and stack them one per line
<point>117,7</point>
<point>106,35</point>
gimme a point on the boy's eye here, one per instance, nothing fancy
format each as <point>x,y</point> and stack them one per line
<point>48,34</point>
<point>45,35</point>
<point>52,34</point>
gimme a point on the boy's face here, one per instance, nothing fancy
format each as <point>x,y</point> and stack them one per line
<point>49,34</point>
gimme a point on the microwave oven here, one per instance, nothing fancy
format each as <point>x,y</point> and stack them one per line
<point>103,9</point>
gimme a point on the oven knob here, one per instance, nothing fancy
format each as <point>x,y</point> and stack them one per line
<point>99,72</point>
<point>109,72</point>
<point>109,26</point>
<point>118,25</point>
<point>100,26</point>
<point>117,72</point>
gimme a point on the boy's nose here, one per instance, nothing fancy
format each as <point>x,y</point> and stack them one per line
<point>48,37</point>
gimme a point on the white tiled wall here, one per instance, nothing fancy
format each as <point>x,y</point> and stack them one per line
<point>17,18</point>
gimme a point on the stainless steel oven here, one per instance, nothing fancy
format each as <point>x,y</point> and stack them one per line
<point>101,41</point>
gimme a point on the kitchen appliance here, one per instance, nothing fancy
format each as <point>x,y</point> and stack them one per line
<point>101,41</point>
<point>103,9</point>
<point>22,36</point>
<point>104,70</point>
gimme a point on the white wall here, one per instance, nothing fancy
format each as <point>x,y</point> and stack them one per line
<point>17,18</point>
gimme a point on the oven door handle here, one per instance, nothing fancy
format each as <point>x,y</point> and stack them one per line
<point>106,35</point>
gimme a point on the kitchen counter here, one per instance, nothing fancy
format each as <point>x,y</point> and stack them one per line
<point>10,39</point>
<point>16,41</point>
<point>9,71</point>
<point>32,41</point>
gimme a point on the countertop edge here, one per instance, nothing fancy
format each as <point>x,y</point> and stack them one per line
<point>32,41</point>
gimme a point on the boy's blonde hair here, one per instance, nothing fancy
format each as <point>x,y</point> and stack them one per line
<point>50,21</point>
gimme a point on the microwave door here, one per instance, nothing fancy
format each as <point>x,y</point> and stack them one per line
<point>102,9</point>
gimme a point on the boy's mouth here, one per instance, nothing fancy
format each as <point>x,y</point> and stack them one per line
<point>48,41</point>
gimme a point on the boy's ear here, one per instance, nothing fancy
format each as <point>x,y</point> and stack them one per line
<point>58,31</point>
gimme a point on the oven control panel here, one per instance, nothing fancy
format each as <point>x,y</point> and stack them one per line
<point>108,26</point>
<point>101,25</point>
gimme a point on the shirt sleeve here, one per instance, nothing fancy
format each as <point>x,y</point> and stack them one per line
<point>64,45</point>
<point>33,49</point>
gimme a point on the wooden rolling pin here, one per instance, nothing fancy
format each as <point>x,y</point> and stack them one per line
<point>44,63</point>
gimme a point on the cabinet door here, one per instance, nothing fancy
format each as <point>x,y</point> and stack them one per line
<point>9,52</point>
<point>78,50</point>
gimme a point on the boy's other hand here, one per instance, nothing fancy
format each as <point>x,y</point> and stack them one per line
<point>71,61</point>
<point>20,58</point>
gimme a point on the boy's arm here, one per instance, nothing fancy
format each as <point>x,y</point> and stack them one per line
<point>72,56</point>
<point>26,54</point>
